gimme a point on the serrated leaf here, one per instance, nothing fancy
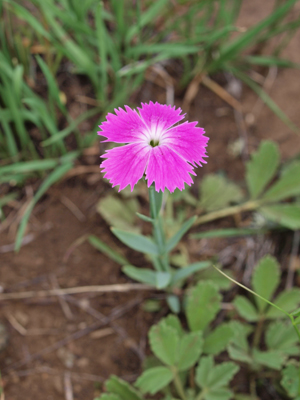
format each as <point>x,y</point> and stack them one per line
<point>203,304</point>
<point>287,186</point>
<point>174,240</point>
<point>203,369</point>
<point>121,388</point>
<point>282,336</point>
<point>143,275</point>
<point>221,374</point>
<point>190,348</point>
<point>164,341</point>
<point>265,280</point>
<point>154,379</point>
<point>119,213</point>
<point>245,308</point>
<point>262,167</point>
<point>217,192</point>
<point>238,349</point>
<point>287,215</point>
<point>272,358</point>
<point>218,340</point>
<point>136,242</point>
<point>174,322</point>
<point>290,380</point>
<point>239,354</point>
<point>287,300</point>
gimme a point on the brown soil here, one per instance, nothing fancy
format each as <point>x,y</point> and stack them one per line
<point>43,353</point>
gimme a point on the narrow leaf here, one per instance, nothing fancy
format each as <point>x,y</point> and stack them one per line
<point>176,238</point>
<point>143,275</point>
<point>107,250</point>
<point>185,272</point>
<point>136,242</point>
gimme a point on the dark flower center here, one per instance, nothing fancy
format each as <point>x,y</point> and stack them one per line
<point>154,142</point>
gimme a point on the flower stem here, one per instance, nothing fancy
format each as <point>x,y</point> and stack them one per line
<point>225,212</point>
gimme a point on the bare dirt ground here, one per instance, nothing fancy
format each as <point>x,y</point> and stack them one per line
<point>77,341</point>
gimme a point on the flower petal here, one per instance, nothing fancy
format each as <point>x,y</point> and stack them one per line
<point>188,141</point>
<point>125,165</point>
<point>159,116</point>
<point>124,127</point>
<point>167,169</point>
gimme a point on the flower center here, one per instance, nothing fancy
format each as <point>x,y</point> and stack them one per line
<point>154,142</point>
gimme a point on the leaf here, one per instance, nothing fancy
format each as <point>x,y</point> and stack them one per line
<point>282,336</point>
<point>288,300</point>
<point>162,279</point>
<point>221,374</point>
<point>245,308</point>
<point>190,348</point>
<point>136,242</point>
<point>174,240</point>
<point>174,322</point>
<point>203,304</point>
<point>105,249</point>
<point>219,394</point>
<point>108,396</point>
<point>185,272</point>
<point>239,347</point>
<point>218,279</point>
<point>287,215</point>
<point>287,186</point>
<point>290,380</point>
<point>164,342</point>
<point>143,275</point>
<point>154,379</point>
<point>273,359</point>
<point>205,365</point>
<point>265,280</point>
<point>217,192</point>
<point>217,341</point>
<point>119,213</point>
<point>262,167</point>
<point>121,388</point>
<point>174,303</point>
<point>230,232</point>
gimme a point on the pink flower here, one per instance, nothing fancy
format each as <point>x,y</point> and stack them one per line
<point>154,145</point>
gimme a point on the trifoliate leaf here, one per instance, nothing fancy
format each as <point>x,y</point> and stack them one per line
<point>265,280</point>
<point>273,359</point>
<point>219,394</point>
<point>287,215</point>
<point>290,380</point>
<point>262,167</point>
<point>121,388</point>
<point>288,300</point>
<point>190,348</point>
<point>154,379</point>
<point>221,374</point>
<point>203,369</point>
<point>203,304</point>
<point>174,322</point>
<point>282,336</point>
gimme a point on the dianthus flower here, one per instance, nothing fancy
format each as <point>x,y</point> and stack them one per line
<point>154,145</point>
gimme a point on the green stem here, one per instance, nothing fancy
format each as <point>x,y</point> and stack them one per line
<point>178,384</point>
<point>225,212</point>
<point>258,331</point>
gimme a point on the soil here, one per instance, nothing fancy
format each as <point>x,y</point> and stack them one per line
<point>83,339</point>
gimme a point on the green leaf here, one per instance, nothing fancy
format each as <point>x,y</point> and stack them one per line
<point>154,379</point>
<point>205,366</point>
<point>288,300</point>
<point>245,308</point>
<point>221,374</point>
<point>119,213</point>
<point>230,232</point>
<point>219,394</point>
<point>185,272</point>
<point>203,304</point>
<point>155,199</point>
<point>287,215</point>
<point>121,388</point>
<point>265,280</point>
<point>107,250</point>
<point>145,218</point>
<point>190,348</point>
<point>218,340</point>
<point>262,167</point>
<point>174,240</point>
<point>164,342</point>
<point>136,242</point>
<point>272,358</point>
<point>218,279</point>
<point>287,186</point>
<point>174,322</point>
<point>217,192</point>
<point>239,347</point>
<point>108,396</point>
<point>282,336</point>
<point>173,303</point>
<point>290,380</point>
<point>143,275</point>
<point>162,279</point>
